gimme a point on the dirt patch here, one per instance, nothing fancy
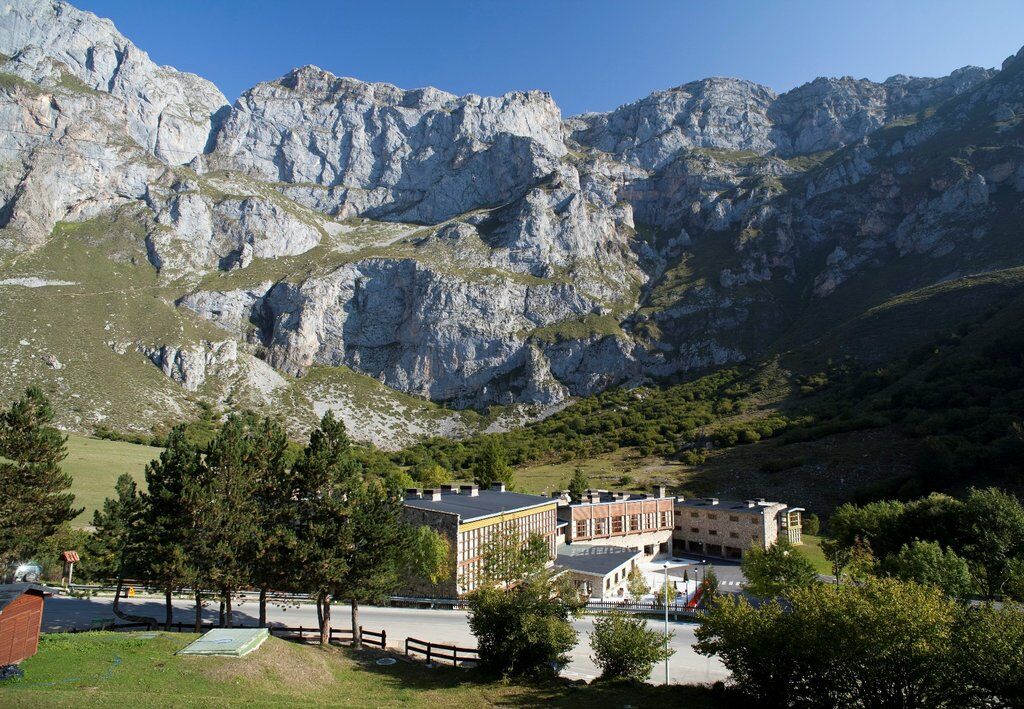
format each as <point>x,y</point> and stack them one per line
<point>279,662</point>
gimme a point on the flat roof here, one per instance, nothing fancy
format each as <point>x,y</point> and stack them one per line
<point>598,560</point>
<point>734,505</point>
<point>485,503</point>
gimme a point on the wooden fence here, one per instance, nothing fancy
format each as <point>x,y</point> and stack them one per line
<point>438,652</point>
<point>340,636</point>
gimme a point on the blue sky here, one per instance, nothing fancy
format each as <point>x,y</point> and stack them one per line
<point>591,55</point>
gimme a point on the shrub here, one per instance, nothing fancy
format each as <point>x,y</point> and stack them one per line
<point>625,648</point>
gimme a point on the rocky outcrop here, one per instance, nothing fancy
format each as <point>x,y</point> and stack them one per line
<point>170,113</point>
<point>345,147</point>
<point>190,365</point>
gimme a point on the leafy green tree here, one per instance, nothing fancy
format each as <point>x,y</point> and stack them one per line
<point>508,559</point>
<point>525,630</point>
<point>989,656</point>
<point>777,571</point>
<point>324,477</point>
<point>660,594</point>
<point>34,497</point>
<point>428,555</point>
<point>838,555</point>
<point>710,585</point>
<point>578,485</point>
<point>811,524</point>
<point>927,563</point>
<point>753,644</point>
<point>882,643</point>
<point>993,536</point>
<point>491,465</point>
<point>625,648</point>
<point>636,583</point>
<point>432,476</point>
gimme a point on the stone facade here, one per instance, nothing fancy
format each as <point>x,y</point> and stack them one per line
<point>720,528</point>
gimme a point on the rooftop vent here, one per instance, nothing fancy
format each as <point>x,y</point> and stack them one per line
<point>412,493</point>
<point>449,488</point>
<point>712,500</point>
<point>660,490</point>
<point>470,490</point>
<point>750,503</point>
<point>498,487</point>
<point>432,494</point>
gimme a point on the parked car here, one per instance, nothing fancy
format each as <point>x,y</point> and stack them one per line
<point>23,572</point>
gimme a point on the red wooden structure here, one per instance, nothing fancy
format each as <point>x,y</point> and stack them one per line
<point>21,615</point>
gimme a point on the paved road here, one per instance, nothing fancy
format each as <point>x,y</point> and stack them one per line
<point>443,626</point>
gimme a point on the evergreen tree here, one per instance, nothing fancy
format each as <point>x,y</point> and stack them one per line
<point>169,531</point>
<point>324,477</point>
<point>223,500</point>
<point>491,467</point>
<point>275,553</point>
<point>578,485</point>
<point>34,497</point>
<point>373,543</point>
<point>117,540</point>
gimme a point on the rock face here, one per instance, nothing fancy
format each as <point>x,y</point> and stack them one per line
<point>346,147</point>
<point>170,113</point>
<point>479,251</point>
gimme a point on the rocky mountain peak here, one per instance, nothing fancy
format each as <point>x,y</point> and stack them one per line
<point>172,112</point>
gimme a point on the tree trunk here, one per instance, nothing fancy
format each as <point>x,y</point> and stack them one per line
<point>325,620</point>
<point>263,607</point>
<point>168,609</point>
<point>199,611</point>
<point>227,607</point>
<point>357,637</point>
<point>125,616</point>
<point>220,613</point>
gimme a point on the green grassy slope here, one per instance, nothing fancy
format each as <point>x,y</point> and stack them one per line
<point>119,669</point>
<point>94,464</point>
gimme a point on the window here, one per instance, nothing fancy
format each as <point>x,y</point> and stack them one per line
<point>616,525</point>
<point>581,528</point>
<point>734,535</point>
<point>713,533</point>
<point>600,526</point>
<point>694,530</point>
<point>753,520</point>
<point>712,515</point>
<point>734,518</point>
<point>695,514</point>
<point>679,527</point>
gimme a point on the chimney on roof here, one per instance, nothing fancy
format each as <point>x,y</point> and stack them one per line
<point>761,501</point>
<point>449,487</point>
<point>498,487</point>
<point>751,503</point>
<point>432,494</point>
<point>712,500</point>
<point>470,490</point>
<point>660,491</point>
<point>412,493</point>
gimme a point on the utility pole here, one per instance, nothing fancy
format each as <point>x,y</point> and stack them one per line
<point>666,624</point>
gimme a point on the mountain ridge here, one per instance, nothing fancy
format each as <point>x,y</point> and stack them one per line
<point>477,251</point>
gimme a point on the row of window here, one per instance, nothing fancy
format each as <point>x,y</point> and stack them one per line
<point>714,516</point>
<point>621,524</point>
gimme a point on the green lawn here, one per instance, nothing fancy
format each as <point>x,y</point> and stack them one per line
<point>126,669</point>
<point>812,550</point>
<point>94,465</point>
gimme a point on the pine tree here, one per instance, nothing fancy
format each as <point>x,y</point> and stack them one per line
<point>274,561</point>
<point>34,497</point>
<point>223,499</point>
<point>374,542</point>
<point>170,523</point>
<point>578,485</point>
<point>491,467</point>
<point>117,541</point>
<point>324,477</point>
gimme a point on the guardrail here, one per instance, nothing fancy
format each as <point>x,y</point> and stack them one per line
<point>439,652</point>
<point>340,636</point>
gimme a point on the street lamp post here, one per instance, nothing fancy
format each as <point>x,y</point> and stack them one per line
<point>666,623</point>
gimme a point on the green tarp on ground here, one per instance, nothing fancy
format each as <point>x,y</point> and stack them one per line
<point>233,642</point>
